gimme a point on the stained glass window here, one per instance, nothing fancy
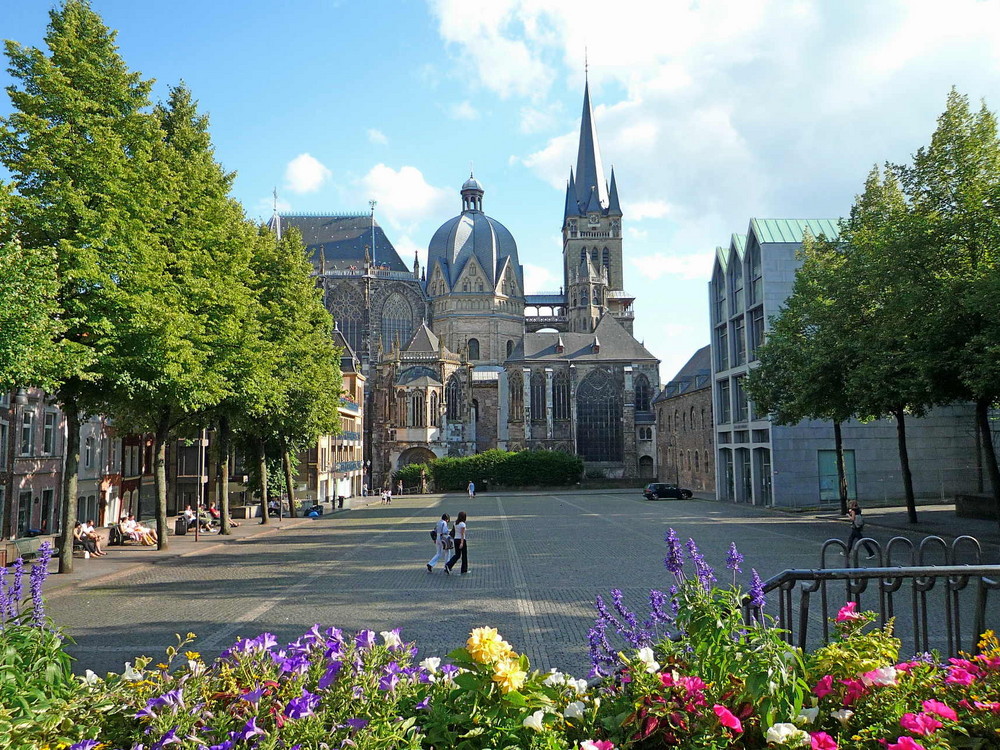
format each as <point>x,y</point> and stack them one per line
<point>435,416</point>
<point>599,408</point>
<point>516,396</point>
<point>538,396</point>
<point>560,395</point>
<point>642,393</point>
<point>347,306</point>
<point>473,348</point>
<point>453,398</point>
<point>397,321</point>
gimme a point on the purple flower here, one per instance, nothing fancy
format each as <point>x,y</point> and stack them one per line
<point>4,599</point>
<point>170,738</point>
<point>39,572</point>
<point>357,692</point>
<point>303,706</point>
<point>224,745</point>
<point>365,639</point>
<point>602,659</point>
<point>674,561</point>
<point>253,696</point>
<point>356,723</point>
<point>424,704</point>
<point>706,576</point>
<point>249,730</point>
<point>14,602</point>
<point>734,558</point>
<point>330,675</point>
<point>297,664</point>
<point>449,671</point>
<point>84,745</point>
<point>388,683</point>
<point>172,698</point>
<point>757,599</point>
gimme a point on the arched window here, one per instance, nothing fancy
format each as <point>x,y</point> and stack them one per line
<point>696,463</point>
<point>606,258</point>
<point>397,321</point>
<point>435,410</point>
<point>473,348</point>
<point>593,255</point>
<point>479,287</point>
<point>510,347</point>
<point>347,305</point>
<point>417,418</point>
<point>684,421</point>
<point>560,395</point>
<point>453,398</point>
<point>692,417</point>
<point>677,420</point>
<point>643,393</point>
<point>599,410</point>
<point>516,386</point>
<point>537,396</point>
<point>583,254</point>
<point>596,299</point>
<point>399,418</point>
<point>703,417</point>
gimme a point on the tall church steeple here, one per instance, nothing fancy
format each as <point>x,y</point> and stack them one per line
<point>591,187</point>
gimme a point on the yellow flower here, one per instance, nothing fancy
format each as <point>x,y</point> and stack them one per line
<point>509,675</point>
<point>192,655</point>
<point>161,666</point>
<point>487,647</point>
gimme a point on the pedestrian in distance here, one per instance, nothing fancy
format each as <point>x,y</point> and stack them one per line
<point>461,545</point>
<point>441,539</point>
<point>472,490</point>
<point>857,529</point>
<point>399,487</point>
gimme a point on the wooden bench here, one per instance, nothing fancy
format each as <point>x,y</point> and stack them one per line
<point>27,547</point>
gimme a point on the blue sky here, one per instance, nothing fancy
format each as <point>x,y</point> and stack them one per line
<point>711,112</point>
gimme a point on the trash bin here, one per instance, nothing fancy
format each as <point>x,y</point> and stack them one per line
<point>340,501</point>
<point>181,526</point>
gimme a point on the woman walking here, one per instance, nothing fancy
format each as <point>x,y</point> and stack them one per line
<point>461,545</point>
<point>441,529</point>
<point>857,527</point>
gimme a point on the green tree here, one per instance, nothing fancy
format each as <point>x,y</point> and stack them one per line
<point>81,147</point>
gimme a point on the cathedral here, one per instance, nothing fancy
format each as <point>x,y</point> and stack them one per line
<point>459,359</point>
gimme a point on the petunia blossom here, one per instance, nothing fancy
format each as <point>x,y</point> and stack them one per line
<point>727,719</point>
<point>824,687</point>
<point>597,745</point>
<point>574,710</point>
<point>883,676</point>
<point>821,741</point>
<point>941,709</point>
<point>922,723</point>
<point>534,721</point>
<point>849,612</point>
<point>905,743</point>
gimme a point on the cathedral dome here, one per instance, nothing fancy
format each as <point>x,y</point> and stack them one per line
<point>473,234</point>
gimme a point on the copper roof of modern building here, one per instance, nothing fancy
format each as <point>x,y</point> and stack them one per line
<point>772,231</point>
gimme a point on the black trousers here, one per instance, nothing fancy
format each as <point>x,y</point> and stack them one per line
<point>461,551</point>
<point>856,534</point>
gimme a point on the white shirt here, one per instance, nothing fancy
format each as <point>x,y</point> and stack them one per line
<point>87,528</point>
<point>442,529</point>
<point>460,530</point>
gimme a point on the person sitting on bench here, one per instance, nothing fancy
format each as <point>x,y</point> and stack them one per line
<point>84,542</point>
<point>90,532</point>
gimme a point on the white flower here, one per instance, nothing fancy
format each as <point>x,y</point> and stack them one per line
<point>786,734</point>
<point>431,664</point>
<point>131,674</point>
<point>534,721</point>
<point>807,715</point>
<point>574,710</point>
<point>883,676</point>
<point>842,715</point>
<point>195,668</point>
<point>90,678</point>
<point>579,686</point>
<point>392,639</point>
<point>554,678</point>
<point>646,656</point>
<point>588,745</point>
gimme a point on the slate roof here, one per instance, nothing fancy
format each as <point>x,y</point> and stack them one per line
<point>342,240</point>
<point>473,234</point>
<point>590,188</point>
<point>419,376</point>
<point>694,375</point>
<point>423,340</point>
<point>616,345</point>
<point>348,359</point>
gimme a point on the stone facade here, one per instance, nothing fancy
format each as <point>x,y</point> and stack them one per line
<point>684,428</point>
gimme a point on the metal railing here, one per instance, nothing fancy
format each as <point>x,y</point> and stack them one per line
<point>940,593</point>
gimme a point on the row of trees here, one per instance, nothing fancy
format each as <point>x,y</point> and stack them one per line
<point>496,468</point>
<point>133,285</point>
<point>899,313</point>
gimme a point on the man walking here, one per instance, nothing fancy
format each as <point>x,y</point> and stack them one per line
<point>472,489</point>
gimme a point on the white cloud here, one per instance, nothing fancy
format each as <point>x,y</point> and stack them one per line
<point>636,234</point>
<point>377,136</point>
<point>539,119</point>
<point>652,209</point>
<point>539,279</point>
<point>404,197</point>
<point>463,111</point>
<point>691,267</point>
<point>305,174</point>
<point>406,247</point>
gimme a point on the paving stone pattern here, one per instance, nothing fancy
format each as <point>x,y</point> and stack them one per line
<point>536,563</point>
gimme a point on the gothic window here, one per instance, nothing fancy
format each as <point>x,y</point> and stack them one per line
<point>417,410</point>
<point>465,286</point>
<point>692,417</point>
<point>599,409</point>
<point>516,395</point>
<point>642,393</point>
<point>347,306</point>
<point>606,258</point>
<point>593,255</point>
<point>453,398</point>
<point>400,416</point>
<point>397,321</point>
<point>596,299</point>
<point>435,411</point>
<point>475,410</point>
<point>583,254</point>
<point>696,464</point>
<point>473,348</point>
<point>538,396</point>
<point>560,395</point>
<point>510,347</point>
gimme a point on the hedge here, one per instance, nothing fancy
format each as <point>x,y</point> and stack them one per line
<point>497,468</point>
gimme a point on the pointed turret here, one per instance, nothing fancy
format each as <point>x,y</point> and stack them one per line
<point>572,209</point>
<point>589,170</point>
<point>614,207</point>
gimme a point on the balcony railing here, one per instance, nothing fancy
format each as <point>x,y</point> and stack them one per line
<point>349,405</point>
<point>348,435</point>
<point>345,466</point>
<point>942,607</point>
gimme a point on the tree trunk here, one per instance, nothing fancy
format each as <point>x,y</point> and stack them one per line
<point>838,441</point>
<point>222,467</point>
<point>160,480</point>
<point>904,465</point>
<point>71,470</point>
<point>262,468</point>
<point>286,460</point>
<point>986,436</point>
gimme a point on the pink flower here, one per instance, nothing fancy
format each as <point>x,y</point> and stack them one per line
<point>959,676</point>
<point>882,676</point>
<point>727,719</point>
<point>824,687</point>
<point>822,741</point>
<point>848,612</point>
<point>921,723</point>
<point>941,709</point>
<point>855,689</point>
<point>905,743</point>
<point>988,706</point>
<point>597,745</point>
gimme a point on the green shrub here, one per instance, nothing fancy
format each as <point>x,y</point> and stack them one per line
<point>497,468</point>
<point>410,474</point>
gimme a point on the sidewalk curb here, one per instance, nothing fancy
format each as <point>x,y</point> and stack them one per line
<point>71,585</point>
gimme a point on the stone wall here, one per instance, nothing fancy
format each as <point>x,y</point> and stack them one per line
<point>686,451</point>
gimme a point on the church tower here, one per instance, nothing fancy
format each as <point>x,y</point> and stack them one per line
<point>592,237</point>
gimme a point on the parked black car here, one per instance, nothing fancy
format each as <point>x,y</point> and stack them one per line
<point>661,491</point>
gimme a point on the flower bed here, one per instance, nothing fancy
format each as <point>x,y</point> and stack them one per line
<point>691,674</point>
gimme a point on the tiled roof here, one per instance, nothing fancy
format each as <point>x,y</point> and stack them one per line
<point>616,344</point>
<point>695,374</point>
<point>423,340</point>
<point>342,240</point>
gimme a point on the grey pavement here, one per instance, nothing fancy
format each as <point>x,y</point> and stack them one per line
<point>537,561</point>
